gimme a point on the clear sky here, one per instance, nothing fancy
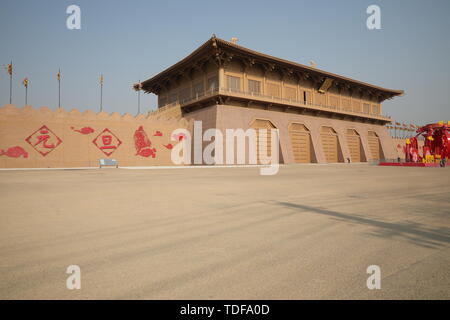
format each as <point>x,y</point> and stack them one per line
<point>129,41</point>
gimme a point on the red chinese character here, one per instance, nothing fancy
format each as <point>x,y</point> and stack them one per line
<point>107,142</point>
<point>44,140</point>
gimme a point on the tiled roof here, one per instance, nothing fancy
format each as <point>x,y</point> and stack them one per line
<point>224,45</point>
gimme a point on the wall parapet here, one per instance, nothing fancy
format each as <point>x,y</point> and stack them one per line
<point>11,110</point>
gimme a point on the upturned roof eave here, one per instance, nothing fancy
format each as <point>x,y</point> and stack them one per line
<point>177,65</point>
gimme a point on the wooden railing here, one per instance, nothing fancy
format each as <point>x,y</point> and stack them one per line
<point>271,99</point>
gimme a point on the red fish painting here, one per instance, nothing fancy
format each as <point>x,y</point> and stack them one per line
<point>84,130</point>
<point>14,152</point>
<point>143,144</point>
<point>158,134</point>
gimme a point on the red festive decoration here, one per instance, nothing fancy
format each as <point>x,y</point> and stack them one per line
<point>168,146</point>
<point>84,130</point>
<point>14,152</point>
<point>436,143</point>
<point>107,142</point>
<point>158,134</point>
<point>44,140</point>
<point>143,144</point>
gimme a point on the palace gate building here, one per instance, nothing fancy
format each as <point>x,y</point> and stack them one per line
<point>321,117</point>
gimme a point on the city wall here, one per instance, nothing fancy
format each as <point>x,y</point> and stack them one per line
<point>43,138</point>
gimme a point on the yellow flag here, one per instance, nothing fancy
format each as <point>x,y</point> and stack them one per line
<point>9,68</point>
<point>58,75</point>
<point>101,79</point>
<point>25,82</point>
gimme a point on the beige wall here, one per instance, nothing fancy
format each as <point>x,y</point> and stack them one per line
<point>233,117</point>
<point>77,149</point>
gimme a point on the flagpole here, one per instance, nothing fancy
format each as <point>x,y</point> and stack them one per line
<point>101,93</point>
<point>10,84</point>
<point>101,97</point>
<point>139,99</point>
<point>59,88</point>
<point>26,95</point>
<point>137,87</point>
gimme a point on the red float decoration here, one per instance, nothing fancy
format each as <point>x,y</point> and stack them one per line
<point>44,140</point>
<point>107,142</point>
<point>158,134</point>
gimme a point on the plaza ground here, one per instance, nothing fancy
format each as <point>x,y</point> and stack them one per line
<point>310,231</point>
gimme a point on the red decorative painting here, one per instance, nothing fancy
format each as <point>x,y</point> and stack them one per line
<point>143,144</point>
<point>14,152</point>
<point>158,134</point>
<point>84,130</point>
<point>168,146</point>
<point>107,142</point>
<point>44,140</point>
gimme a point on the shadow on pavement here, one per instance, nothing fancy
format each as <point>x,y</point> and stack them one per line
<point>411,231</point>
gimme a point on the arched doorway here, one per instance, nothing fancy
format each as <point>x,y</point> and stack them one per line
<point>301,143</point>
<point>330,145</point>
<point>375,146</point>
<point>267,142</point>
<point>355,146</point>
